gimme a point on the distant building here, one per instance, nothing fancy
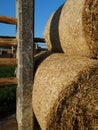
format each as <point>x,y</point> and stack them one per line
<point>6,53</point>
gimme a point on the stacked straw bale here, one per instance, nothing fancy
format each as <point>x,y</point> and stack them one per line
<point>65,90</point>
<point>73,28</point>
<point>65,94</point>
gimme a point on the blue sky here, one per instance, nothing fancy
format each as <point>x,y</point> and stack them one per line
<point>43,10</point>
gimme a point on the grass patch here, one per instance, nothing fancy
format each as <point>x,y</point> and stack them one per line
<point>7,71</point>
<point>7,93</point>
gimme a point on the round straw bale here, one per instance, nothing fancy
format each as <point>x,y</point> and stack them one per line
<point>73,28</point>
<point>65,93</point>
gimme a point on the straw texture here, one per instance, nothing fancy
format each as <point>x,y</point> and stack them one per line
<point>65,94</point>
<point>73,29</point>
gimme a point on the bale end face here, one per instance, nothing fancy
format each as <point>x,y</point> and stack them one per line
<point>65,93</point>
<point>73,29</point>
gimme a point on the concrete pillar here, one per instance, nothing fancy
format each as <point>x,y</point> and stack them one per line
<point>25,36</point>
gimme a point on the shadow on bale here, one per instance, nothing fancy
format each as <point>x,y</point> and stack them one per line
<point>55,31</point>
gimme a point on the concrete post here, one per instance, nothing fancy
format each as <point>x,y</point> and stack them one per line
<point>25,36</point>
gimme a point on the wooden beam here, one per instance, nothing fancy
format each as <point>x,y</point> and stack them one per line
<point>8,20</point>
<point>7,36</point>
<point>8,81</point>
<point>37,39</point>
<point>8,42</point>
<point>8,61</point>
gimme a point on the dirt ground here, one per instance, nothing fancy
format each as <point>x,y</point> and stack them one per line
<point>10,123</point>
